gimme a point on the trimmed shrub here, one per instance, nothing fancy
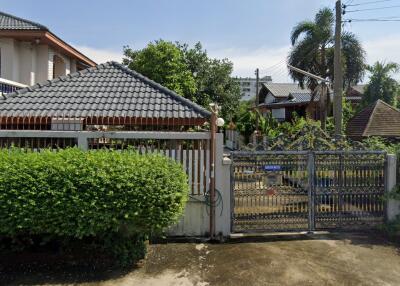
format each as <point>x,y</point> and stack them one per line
<point>71,193</point>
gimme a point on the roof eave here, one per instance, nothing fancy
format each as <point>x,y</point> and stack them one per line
<point>49,38</point>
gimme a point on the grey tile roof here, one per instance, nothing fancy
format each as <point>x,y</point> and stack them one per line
<point>284,89</point>
<point>294,99</point>
<point>360,88</point>
<point>10,22</point>
<point>107,90</point>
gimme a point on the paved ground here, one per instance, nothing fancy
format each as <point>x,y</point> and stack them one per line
<point>334,259</point>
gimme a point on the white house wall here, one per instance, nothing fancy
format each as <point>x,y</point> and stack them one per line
<point>29,63</point>
<point>279,113</point>
<point>269,98</point>
<point>7,55</point>
<point>25,62</point>
<point>42,63</point>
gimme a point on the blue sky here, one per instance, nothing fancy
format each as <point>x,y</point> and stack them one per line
<point>252,33</point>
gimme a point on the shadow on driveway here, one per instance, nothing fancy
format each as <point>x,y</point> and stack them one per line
<point>327,259</point>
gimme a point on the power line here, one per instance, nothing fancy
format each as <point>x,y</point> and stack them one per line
<point>365,3</point>
<point>371,9</point>
<point>348,2</point>
<point>371,20</point>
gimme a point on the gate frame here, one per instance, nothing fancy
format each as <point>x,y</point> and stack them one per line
<point>389,179</point>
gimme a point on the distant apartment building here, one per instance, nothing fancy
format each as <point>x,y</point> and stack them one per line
<point>248,86</point>
<point>30,53</point>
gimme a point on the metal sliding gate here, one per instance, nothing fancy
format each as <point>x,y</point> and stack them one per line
<point>307,191</point>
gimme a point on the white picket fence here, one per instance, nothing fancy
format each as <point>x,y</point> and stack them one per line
<point>191,149</point>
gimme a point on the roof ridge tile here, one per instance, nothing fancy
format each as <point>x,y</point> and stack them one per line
<point>35,24</point>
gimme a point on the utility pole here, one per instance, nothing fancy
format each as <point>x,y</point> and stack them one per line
<point>257,96</point>
<point>338,73</point>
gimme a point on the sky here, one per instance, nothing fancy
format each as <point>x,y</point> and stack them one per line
<point>251,33</point>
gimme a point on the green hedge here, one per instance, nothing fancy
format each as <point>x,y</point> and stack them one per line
<point>71,193</point>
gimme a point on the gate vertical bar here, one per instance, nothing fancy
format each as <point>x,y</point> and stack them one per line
<point>340,190</point>
<point>311,191</point>
<point>232,192</point>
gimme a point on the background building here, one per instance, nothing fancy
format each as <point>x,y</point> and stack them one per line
<point>248,86</point>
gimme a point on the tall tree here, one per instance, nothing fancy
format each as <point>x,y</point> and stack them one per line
<point>381,84</point>
<point>164,63</point>
<point>313,51</point>
<point>213,78</point>
<point>188,71</point>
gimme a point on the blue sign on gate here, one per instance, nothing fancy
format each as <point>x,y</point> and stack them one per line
<point>272,168</point>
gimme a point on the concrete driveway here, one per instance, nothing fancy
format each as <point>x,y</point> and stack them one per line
<point>329,259</point>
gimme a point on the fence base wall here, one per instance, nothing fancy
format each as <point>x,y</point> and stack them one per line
<point>196,220</point>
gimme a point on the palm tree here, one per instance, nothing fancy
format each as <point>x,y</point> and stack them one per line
<point>382,85</point>
<point>313,51</point>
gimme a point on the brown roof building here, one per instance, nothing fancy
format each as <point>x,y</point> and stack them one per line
<point>377,119</point>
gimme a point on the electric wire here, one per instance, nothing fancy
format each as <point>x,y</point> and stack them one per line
<point>372,9</point>
<point>365,3</point>
<point>371,20</point>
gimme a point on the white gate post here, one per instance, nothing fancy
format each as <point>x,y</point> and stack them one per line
<point>393,206</point>
<point>83,142</point>
<point>223,185</point>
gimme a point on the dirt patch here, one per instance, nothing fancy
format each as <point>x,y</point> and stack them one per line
<point>335,259</point>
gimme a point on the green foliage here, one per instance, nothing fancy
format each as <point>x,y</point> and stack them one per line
<point>392,227</point>
<point>214,82</point>
<point>164,63</point>
<point>313,51</point>
<point>268,125</point>
<point>381,85</point>
<point>297,123</point>
<point>348,111</point>
<point>245,119</point>
<point>76,194</point>
<point>127,249</point>
<point>189,72</point>
<point>379,143</point>
<point>246,116</point>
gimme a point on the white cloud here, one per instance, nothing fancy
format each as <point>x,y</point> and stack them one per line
<point>100,55</point>
<point>270,61</point>
<point>386,49</point>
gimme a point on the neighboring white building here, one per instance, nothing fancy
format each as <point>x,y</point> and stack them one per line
<point>30,54</point>
<point>248,86</point>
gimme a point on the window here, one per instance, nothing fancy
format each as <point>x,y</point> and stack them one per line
<point>59,67</point>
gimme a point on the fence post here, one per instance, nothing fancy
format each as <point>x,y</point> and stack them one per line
<point>393,206</point>
<point>83,142</point>
<point>311,183</point>
<point>223,186</point>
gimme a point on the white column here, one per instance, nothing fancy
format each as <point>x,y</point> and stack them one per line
<point>223,185</point>
<point>50,64</point>
<point>67,65</point>
<point>15,62</point>
<point>33,65</point>
<point>73,65</point>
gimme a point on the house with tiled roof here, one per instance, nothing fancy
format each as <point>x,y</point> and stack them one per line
<point>377,119</point>
<point>31,53</point>
<point>355,94</point>
<point>282,99</point>
<point>107,96</point>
